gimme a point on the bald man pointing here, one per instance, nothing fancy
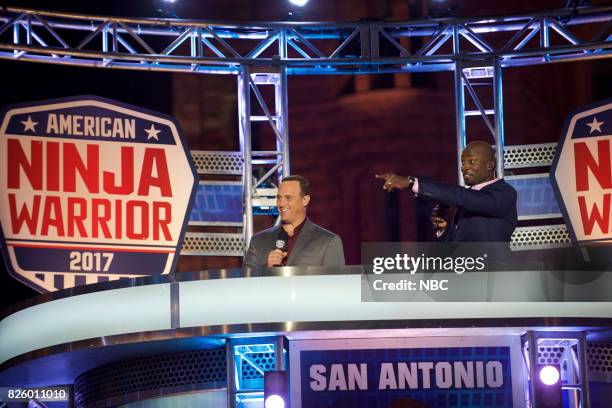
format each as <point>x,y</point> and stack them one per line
<point>483,212</point>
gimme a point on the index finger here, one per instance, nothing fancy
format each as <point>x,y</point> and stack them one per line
<point>383,176</point>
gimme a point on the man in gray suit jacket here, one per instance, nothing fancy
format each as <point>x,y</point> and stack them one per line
<point>307,243</point>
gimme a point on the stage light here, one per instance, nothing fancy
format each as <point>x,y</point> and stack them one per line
<point>166,8</point>
<point>294,12</point>
<point>276,389</point>
<point>274,401</point>
<point>440,8</point>
<point>548,389</point>
<point>298,3</point>
<point>549,375</point>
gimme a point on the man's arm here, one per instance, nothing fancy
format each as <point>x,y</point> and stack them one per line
<point>257,250</point>
<point>334,253</point>
<point>250,258</point>
<point>492,201</point>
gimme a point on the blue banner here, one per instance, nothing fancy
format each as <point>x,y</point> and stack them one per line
<point>416,377</point>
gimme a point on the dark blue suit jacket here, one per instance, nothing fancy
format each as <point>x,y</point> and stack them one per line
<point>486,215</point>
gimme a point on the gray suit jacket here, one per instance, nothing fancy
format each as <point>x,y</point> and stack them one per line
<point>315,246</point>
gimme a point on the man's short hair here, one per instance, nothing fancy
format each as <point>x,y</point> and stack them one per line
<point>304,184</point>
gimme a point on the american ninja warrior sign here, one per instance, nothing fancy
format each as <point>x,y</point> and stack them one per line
<point>581,173</point>
<point>91,190</point>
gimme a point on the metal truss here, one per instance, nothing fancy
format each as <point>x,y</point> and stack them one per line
<point>303,48</point>
<point>572,359</point>
<point>260,54</point>
<point>247,362</point>
<point>260,187</point>
<point>471,77</point>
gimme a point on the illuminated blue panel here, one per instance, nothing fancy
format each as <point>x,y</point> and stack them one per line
<point>250,399</point>
<point>536,198</point>
<point>251,361</point>
<point>217,203</point>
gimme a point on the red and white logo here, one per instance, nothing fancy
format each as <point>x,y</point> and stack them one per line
<point>582,173</point>
<point>91,190</point>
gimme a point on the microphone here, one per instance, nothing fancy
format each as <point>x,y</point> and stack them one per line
<point>441,211</point>
<point>281,240</point>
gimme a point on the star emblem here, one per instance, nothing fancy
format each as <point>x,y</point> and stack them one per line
<point>152,133</point>
<point>595,125</point>
<point>29,124</point>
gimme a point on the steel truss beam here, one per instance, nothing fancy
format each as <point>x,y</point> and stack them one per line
<point>573,362</point>
<point>309,47</point>
<point>265,53</point>
<point>243,353</point>
<point>471,77</point>
<point>272,165</point>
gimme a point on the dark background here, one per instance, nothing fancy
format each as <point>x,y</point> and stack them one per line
<point>343,129</point>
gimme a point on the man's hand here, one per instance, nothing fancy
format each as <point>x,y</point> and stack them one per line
<point>275,258</point>
<point>439,217</point>
<point>393,181</point>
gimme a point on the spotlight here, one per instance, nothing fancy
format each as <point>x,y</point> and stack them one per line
<point>549,375</point>
<point>276,389</point>
<point>295,9</point>
<point>440,8</point>
<point>298,3</point>
<point>274,401</point>
<point>548,390</point>
<point>166,8</point>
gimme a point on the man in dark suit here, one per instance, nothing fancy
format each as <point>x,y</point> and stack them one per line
<point>483,212</point>
<point>306,243</point>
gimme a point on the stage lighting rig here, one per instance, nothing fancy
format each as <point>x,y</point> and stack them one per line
<point>548,386</point>
<point>276,389</point>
